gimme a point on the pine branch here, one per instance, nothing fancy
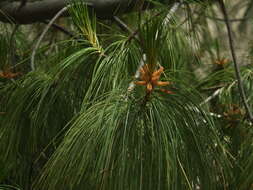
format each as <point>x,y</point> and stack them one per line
<point>236,66</point>
<point>167,19</point>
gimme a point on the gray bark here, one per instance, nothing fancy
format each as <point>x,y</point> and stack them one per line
<point>46,9</point>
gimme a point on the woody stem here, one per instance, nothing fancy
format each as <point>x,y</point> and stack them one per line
<point>236,66</point>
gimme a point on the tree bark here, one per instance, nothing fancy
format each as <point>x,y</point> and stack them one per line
<point>42,10</point>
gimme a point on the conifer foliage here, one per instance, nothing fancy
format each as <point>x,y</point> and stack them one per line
<point>148,100</point>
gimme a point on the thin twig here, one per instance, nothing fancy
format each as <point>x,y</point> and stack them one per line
<point>236,66</point>
<point>122,25</point>
<point>60,28</point>
<point>44,33</point>
<point>216,93</point>
<point>13,45</point>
